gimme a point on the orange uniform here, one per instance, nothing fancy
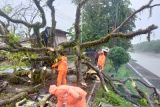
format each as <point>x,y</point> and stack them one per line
<point>69,96</point>
<point>62,70</point>
<point>101,60</point>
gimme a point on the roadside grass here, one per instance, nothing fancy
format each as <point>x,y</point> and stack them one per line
<point>5,67</point>
<point>111,98</point>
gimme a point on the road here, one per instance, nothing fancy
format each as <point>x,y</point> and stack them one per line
<point>149,61</point>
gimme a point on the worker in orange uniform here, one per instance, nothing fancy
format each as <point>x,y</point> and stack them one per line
<point>68,96</point>
<point>62,70</point>
<point>101,60</point>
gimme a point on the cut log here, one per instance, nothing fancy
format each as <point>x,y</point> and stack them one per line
<point>19,96</point>
<point>3,85</point>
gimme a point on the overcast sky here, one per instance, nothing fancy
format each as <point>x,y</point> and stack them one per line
<point>65,16</point>
<point>144,20</point>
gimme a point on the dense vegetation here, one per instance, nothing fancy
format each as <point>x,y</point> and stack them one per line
<point>111,98</point>
<point>100,18</point>
<point>118,56</point>
<point>152,46</point>
<point>117,22</point>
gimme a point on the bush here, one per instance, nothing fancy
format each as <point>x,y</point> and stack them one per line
<point>118,56</point>
<point>110,98</point>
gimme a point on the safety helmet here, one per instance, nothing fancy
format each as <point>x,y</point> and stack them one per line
<point>105,49</point>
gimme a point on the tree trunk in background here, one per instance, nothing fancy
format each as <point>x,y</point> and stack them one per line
<point>78,65</point>
<point>38,37</point>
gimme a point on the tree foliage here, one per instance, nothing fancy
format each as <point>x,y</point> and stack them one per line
<point>7,9</point>
<point>118,56</point>
<point>103,37</point>
<point>152,46</point>
<point>101,17</point>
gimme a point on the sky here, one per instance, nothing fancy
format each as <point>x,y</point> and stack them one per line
<point>144,20</point>
<point>67,17</point>
<point>66,10</point>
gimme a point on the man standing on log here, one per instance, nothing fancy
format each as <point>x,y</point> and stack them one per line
<point>102,59</point>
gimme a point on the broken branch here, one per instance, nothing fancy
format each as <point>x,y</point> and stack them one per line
<point>21,95</point>
<point>148,5</point>
<point>121,35</point>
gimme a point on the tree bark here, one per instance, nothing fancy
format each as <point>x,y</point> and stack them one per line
<point>78,41</point>
<point>38,37</point>
<point>19,96</point>
<point>3,85</point>
<point>53,40</point>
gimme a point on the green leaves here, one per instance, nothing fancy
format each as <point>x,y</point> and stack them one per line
<point>100,17</point>
<point>118,56</point>
<point>16,59</point>
<point>13,38</point>
<point>110,98</point>
<point>143,102</point>
<point>7,9</point>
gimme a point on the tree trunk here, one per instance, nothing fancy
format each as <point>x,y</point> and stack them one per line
<point>78,65</point>
<point>38,37</point>
<point>21,95</point>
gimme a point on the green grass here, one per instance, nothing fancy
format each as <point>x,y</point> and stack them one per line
<point>123,73</point>
<point>4,67</point>
<point>110,98</point>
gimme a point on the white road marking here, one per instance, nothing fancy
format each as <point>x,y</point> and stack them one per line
<point>145,79</point>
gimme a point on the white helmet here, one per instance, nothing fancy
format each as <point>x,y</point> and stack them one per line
<point>105,49</point>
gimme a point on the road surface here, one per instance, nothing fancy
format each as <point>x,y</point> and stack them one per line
<point>149,61</point>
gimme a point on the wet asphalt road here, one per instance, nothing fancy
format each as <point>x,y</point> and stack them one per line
<point>149,61</point>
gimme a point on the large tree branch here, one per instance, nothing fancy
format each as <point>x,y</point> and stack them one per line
<point>21,95</point>
<point>148,5</point>
<point>15,20</point>
<point>58,48</point>
<point>86,44</point>
<point>52,35</point>
<point>3,85</point>
<point>40,25</point>
<point>18,49</point>
<point>138,80</point>
<point>37,3</point>
<point>128,96</point>
<point>44,58</point>
<point>154,5</point>
<point>129,35</point>
<point>141,93</point>
<point>105,79</point>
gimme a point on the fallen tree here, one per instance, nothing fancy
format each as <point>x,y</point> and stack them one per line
<point>3,85</point>
<point>19,96</point>
<point>77,46</point>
